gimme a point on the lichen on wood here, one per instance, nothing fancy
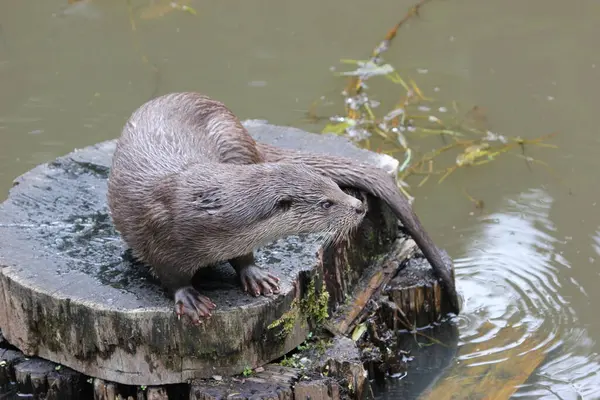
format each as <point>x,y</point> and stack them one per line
<point>315,304</point>
<point>287,321</point>
<point>310,307</point>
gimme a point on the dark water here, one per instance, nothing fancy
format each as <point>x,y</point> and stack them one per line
<point>527,265</point>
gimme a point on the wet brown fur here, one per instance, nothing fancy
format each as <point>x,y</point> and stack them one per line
<point>190,187</point>
<point>376,181</point>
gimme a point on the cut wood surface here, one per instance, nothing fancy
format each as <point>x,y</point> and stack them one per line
<point>403,286</point>
<point>373,283</point>
<point>69,293</point>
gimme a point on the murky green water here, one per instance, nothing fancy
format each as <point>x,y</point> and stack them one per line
<point>70,76</point>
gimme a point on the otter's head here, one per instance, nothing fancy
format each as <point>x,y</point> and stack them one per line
<point>237,208</point>
<point>301,200</point>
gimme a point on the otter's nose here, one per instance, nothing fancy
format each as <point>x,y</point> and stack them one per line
<point>359,207</point>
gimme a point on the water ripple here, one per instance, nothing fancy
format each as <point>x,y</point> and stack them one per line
<point>512,277</point>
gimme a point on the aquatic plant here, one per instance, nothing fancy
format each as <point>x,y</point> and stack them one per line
<point>415,116</point>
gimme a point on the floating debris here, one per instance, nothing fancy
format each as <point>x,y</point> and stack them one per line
<point>415,116</point>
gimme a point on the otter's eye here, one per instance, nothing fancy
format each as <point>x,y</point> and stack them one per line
<point>326,204</point>
<point>284,204</point>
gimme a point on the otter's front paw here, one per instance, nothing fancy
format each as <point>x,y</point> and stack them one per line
<point>192,304</point>
<point>257,281</point>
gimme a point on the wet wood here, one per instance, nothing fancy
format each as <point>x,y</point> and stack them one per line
<point>352,313</point>
<point>8,359</point>
<point>342,361</point>
<point>415,295</point>
<point>491,381</point>
<point>105,390</point>
<point>154,393</point>
<point>37,378</point>
<point>401,287</point>
<point>275,382</point>
<point>322,389</point>
<point>79,270</point>
<point>137,340</point>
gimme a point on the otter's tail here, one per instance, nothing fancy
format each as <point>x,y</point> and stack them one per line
<point>377,182</point>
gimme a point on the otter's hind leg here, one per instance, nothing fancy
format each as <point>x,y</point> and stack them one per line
<point>254,279</point>
<point>188,301</point>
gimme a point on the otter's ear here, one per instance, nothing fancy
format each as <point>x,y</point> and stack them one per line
<point>207,200</point>
<point>284,203</point>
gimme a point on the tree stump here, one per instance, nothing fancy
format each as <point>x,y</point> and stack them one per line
<point>275,382</point>
<point>320,389</point>
<point>395,301</point>
<point>69,293</point>
<point>38,378</point>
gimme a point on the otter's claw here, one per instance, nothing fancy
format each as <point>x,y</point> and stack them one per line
<point>192,304</point>
<point>257,281</point>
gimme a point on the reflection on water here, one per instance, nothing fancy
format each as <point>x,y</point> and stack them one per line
<point>596,243</point>
<point>71,75</point>
<point>512,277</point>
<point>507,278</point>
<point>517,331</point>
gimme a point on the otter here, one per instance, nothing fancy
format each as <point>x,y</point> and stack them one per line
<point>189,187</point>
